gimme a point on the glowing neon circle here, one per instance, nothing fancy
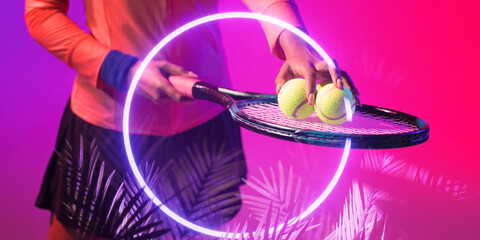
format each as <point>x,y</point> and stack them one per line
<point>138,74</point>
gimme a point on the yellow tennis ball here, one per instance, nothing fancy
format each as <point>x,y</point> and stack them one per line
<point>292,100</point>
<point>330,104</point>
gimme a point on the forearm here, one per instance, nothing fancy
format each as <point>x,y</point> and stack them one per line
<point>291,44</point>
<point>281,9</point>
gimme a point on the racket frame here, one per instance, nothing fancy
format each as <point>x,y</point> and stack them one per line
<point>232,99</point>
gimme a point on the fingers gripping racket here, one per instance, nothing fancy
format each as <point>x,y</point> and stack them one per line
<point>371,127</point>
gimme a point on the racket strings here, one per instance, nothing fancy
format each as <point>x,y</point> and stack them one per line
<point>364,123</point>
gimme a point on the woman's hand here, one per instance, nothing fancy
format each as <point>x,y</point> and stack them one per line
<point>154,84</point>
<point>302,61</point>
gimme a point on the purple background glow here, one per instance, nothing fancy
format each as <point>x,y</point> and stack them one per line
<point>420,57</point>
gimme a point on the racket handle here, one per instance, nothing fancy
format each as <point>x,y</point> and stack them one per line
<point>183,84</point>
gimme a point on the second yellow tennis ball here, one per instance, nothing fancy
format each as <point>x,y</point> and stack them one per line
<point>330,104</point>
<point>292,99</point>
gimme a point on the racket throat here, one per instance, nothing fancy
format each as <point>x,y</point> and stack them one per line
<point>205,91</point>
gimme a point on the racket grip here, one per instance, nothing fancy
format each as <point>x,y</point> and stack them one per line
<point>183,84</point>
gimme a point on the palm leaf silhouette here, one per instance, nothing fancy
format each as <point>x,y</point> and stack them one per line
<point>277,201</point>
<point>130,217</point>
<point>371,210</point>
<point>282,195</point>
<point>271,226</point>
<point>202,186</point>
<point>401,206</point>
<point>360,216</point>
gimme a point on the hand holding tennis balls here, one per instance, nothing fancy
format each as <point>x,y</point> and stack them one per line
<point>329,104</point>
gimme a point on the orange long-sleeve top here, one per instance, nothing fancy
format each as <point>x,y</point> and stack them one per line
<point>135,27</point>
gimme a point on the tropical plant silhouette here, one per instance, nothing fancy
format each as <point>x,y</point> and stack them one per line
<point>201,185</point>
<point>131,215</point>
<point>387,198</point>
<point>383,198</point>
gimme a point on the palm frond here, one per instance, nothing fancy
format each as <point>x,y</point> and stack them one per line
<point>389,166</point>
<point>282,195</point>
<point>202,186</point>
<point>365,212</point>
<point>418,202</point>
<point>360,215</point>
<point>277,201</point>
<point>91,190</point>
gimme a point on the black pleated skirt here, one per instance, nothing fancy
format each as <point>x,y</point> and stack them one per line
<point>89,184</point>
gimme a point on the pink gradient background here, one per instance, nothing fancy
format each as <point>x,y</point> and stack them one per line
<point>420,57</point>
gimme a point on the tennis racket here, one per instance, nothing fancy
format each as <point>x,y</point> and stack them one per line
<point>371,127</point>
